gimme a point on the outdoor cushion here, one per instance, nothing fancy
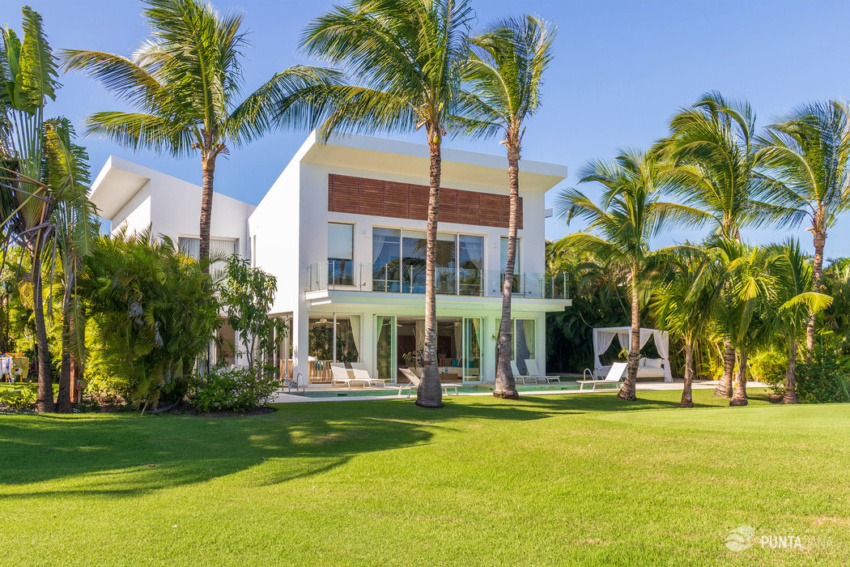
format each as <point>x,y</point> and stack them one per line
<point>653,362</point>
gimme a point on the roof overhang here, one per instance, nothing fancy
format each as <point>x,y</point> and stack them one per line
<point>114,187</point>
<point>403,158</point>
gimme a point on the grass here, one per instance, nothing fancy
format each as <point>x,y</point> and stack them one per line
<point>547,480</point>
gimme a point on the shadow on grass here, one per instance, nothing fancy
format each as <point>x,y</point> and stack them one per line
<point>127,454</point>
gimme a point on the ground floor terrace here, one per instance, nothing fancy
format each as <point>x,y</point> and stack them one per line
<point>385,337</point>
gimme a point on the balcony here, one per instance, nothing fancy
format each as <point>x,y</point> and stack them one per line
<point>351,276</point>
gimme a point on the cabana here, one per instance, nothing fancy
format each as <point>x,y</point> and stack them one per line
<point>648,368</point>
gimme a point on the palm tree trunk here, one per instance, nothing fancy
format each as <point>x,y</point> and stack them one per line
<point>430,393</point>
<point>44,401</point>
<point>687,393</point>
<point>791,375</point>
<point>724,388</point>
<point>208,166</point>
<point>817,274</point>
<point>629,388</point>
<point>739,398</point>
<point>63,401</point>
<point>505,384</point>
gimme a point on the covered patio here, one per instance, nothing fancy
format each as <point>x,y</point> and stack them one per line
<point>648,368</point>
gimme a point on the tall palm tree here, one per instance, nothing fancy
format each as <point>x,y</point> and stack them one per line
<point>749,285</point>
<point>630,215</point>
<point>809,152</point>
<point>28,75</point>
<point>681,303</point>
<point>186,81</point>
<point>713,144</point>
<point>504,76</point>
<point>76,228</point>
<point>795,302</point>
<point>408,57</point>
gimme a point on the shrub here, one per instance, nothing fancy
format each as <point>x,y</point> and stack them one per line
<point>23,398</point>
<point>155,314</point>
<point>824,380</point>
<point>241,389</point>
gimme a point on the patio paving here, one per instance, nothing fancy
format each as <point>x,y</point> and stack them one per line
<point>324,393</point>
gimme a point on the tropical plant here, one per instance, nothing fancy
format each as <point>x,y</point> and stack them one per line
<point>796,303</point>
<point>682,305</point>
<point>247,295</point>
<point>408,57</point>
<point>75,228</point>
<point>630,215</point>
<point>155,313</point>
<point>186,80</point>
<point>28,76</point>
<point>504,77</point>
<point>809,153</point>
<point>713,145</point>
<point>239,389</point>
<point>825,379</point>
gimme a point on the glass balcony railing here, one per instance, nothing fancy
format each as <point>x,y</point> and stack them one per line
<point>347,275</point>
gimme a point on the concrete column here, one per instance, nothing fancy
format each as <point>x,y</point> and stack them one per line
<point>301,345</point>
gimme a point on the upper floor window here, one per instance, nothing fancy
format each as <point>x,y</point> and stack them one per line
<point>399,258</point>
<point>340,253</point>
<point>220,250</point>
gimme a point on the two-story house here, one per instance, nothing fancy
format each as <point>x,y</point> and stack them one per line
<point>343,230</point>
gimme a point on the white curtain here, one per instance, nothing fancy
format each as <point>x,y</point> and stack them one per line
<point>354,322</point>
<point>601,341</point>
<point>662,345</point>
<point>189,246</point>
<point>624,339</point>
<point>458,340</point>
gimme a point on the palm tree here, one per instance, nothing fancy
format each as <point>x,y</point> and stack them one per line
<point>629,217</point>
<point>748,283</point>
<point>185,81</point>
<point>28,78</point>
<point>713,144</point>
<point>75,228</point>
<point>680,306</point>
<point>795,303</point>
<point>504,76</point>
<point>809,152</point>
<point>408,57</point>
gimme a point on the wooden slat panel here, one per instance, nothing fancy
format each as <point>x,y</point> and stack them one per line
<point>448,205</point>
<point>346,194</point>
<point>491,210</point>
<point>396,200</point>
<point>419,202</point>
<point>399,200</point>
<point>371,197</point>
<point>505,208</point>
<point>468,207</point>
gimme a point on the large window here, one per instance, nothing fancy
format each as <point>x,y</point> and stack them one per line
<point>398,262</point>
<point>220,250</point>
<point>523,344</point>
<point>340,253</point>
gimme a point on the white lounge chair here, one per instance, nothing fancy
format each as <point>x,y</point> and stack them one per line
<point>613,378</point>
<point>521,377</point>
<point>415,382</point>
<point>362,375</point>
<point>531,365</point>
<point>340,374</point>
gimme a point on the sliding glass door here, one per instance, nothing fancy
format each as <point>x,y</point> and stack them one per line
<point>386,347</point>
<point>472,371</point>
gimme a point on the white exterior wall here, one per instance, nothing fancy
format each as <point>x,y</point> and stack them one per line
<point>287,232</point>
<point>136,214</point>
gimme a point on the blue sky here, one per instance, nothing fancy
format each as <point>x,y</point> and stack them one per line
<point>621,69</point>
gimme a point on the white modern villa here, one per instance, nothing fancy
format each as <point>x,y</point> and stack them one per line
<point>343,230</point>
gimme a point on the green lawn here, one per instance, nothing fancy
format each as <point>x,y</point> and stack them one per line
<point>544,481</point>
